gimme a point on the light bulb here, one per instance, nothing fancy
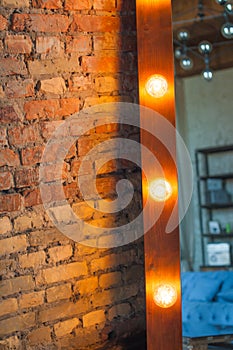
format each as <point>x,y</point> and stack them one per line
<point>207,74</point>
<point>186,63</point>
<point>165,295</point>
<point>221,2</point>
<point>160,190</point>
<point>229,9</point>
<point>178,52</point>
<point>227,30</point>
<point>205,47</point>
<point>156,86</point>
<point>183,35</point>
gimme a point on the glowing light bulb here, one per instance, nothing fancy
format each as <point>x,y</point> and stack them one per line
<point>205,47</point>
<point>165,295</point>
<point>160,190</point>
<point>156,86</point>
<point>186,63</point>
<point>227,30</point>
<point>207,74</point>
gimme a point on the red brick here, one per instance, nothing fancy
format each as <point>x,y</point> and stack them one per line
<point>3,22</point>
<point>106,5</point>
<point>47,128</point>
<point>32,156</point>
<point>26,177</point>
<point>10,202</point>
<point>86,23</point>
<point>47,4</point>
<point>6,180</point>
<point>17,323</point>
<point>19,88</point>
<point>23,135</point>
<point>111,41</point>
<point>81,43</point>
<point>12,66</point>
<point>38,336</point>
<point>51,108</point>
<point>15,3</point>
<point>80,83</point>
<point>3,138</point>
<point>18,44</point>
<point>92,64</point>
<point>48,45</point>
<point>8,115</point>
<point>32,198</point>
<point>40,23</point>
<point>8,157</point>
<point>78,4</point>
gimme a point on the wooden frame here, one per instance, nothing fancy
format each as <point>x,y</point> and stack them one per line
<point>162,250</point>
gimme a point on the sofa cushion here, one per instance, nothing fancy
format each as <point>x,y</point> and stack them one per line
<point>226,296</point>
<point>201,286</point>
<point>204,289</point>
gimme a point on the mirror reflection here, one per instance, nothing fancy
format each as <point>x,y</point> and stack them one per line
<point>203,50</point>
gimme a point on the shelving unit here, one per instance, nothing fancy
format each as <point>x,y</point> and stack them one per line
<point>214,167</point>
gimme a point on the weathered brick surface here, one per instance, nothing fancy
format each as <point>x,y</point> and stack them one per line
<point>95,24</point>
<point>58,57</point>
<point>17,323</point>
<point>54,86</point>
<point>62,273</point>
<point>12,66</point>
<point>94,317</point>
<point>119,310</point>
<point>66,327</point>
<point>60,253</point>
<point>8,157</point>
<point>15,3</point>
<point>16,285</point>
<point>19,88</point>
<point>51,108</point>
<point>59,292</point>
<point>13,244</point>
<point>32,156</point>
<point>35,260</point>
<point>31,299</point>
<point>5,225</point>
<point>6,180</point>
<point>78,4</point>
<point>8,306</point>
<point>40,23</point>
<point>39,336</point>
<point>8,115</point>
<point>47,4</point>
<point>63,310</point>
<point>3,22</point>
<point>18,44</point>
<point>20,136</point>
<point>10,202</point>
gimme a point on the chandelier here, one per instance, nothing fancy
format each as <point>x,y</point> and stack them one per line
<point>184,51</point>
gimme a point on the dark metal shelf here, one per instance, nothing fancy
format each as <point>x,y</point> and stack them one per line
<point>215,149</point>
<point>219,176</point>
<point>217,206</point>
<point>218,235</point>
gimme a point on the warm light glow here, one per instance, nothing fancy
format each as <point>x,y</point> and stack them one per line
<point>165,295</point>
<point>160,190</point>
<point>156,86</point>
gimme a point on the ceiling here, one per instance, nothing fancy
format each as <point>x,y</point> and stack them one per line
<point>202,24</point>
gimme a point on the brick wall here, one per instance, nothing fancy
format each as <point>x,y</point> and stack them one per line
<point>56,58</point>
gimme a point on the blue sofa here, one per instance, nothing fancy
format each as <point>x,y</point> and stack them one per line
<point>207,302</point>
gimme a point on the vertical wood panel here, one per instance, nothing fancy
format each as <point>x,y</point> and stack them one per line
<point>162,251</point>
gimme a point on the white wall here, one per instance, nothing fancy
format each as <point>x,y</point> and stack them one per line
<point>204,118</point>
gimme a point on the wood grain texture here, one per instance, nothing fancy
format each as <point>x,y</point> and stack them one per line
<point>162,251</point>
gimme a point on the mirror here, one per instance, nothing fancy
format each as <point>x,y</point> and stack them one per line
<point>204,108</point>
